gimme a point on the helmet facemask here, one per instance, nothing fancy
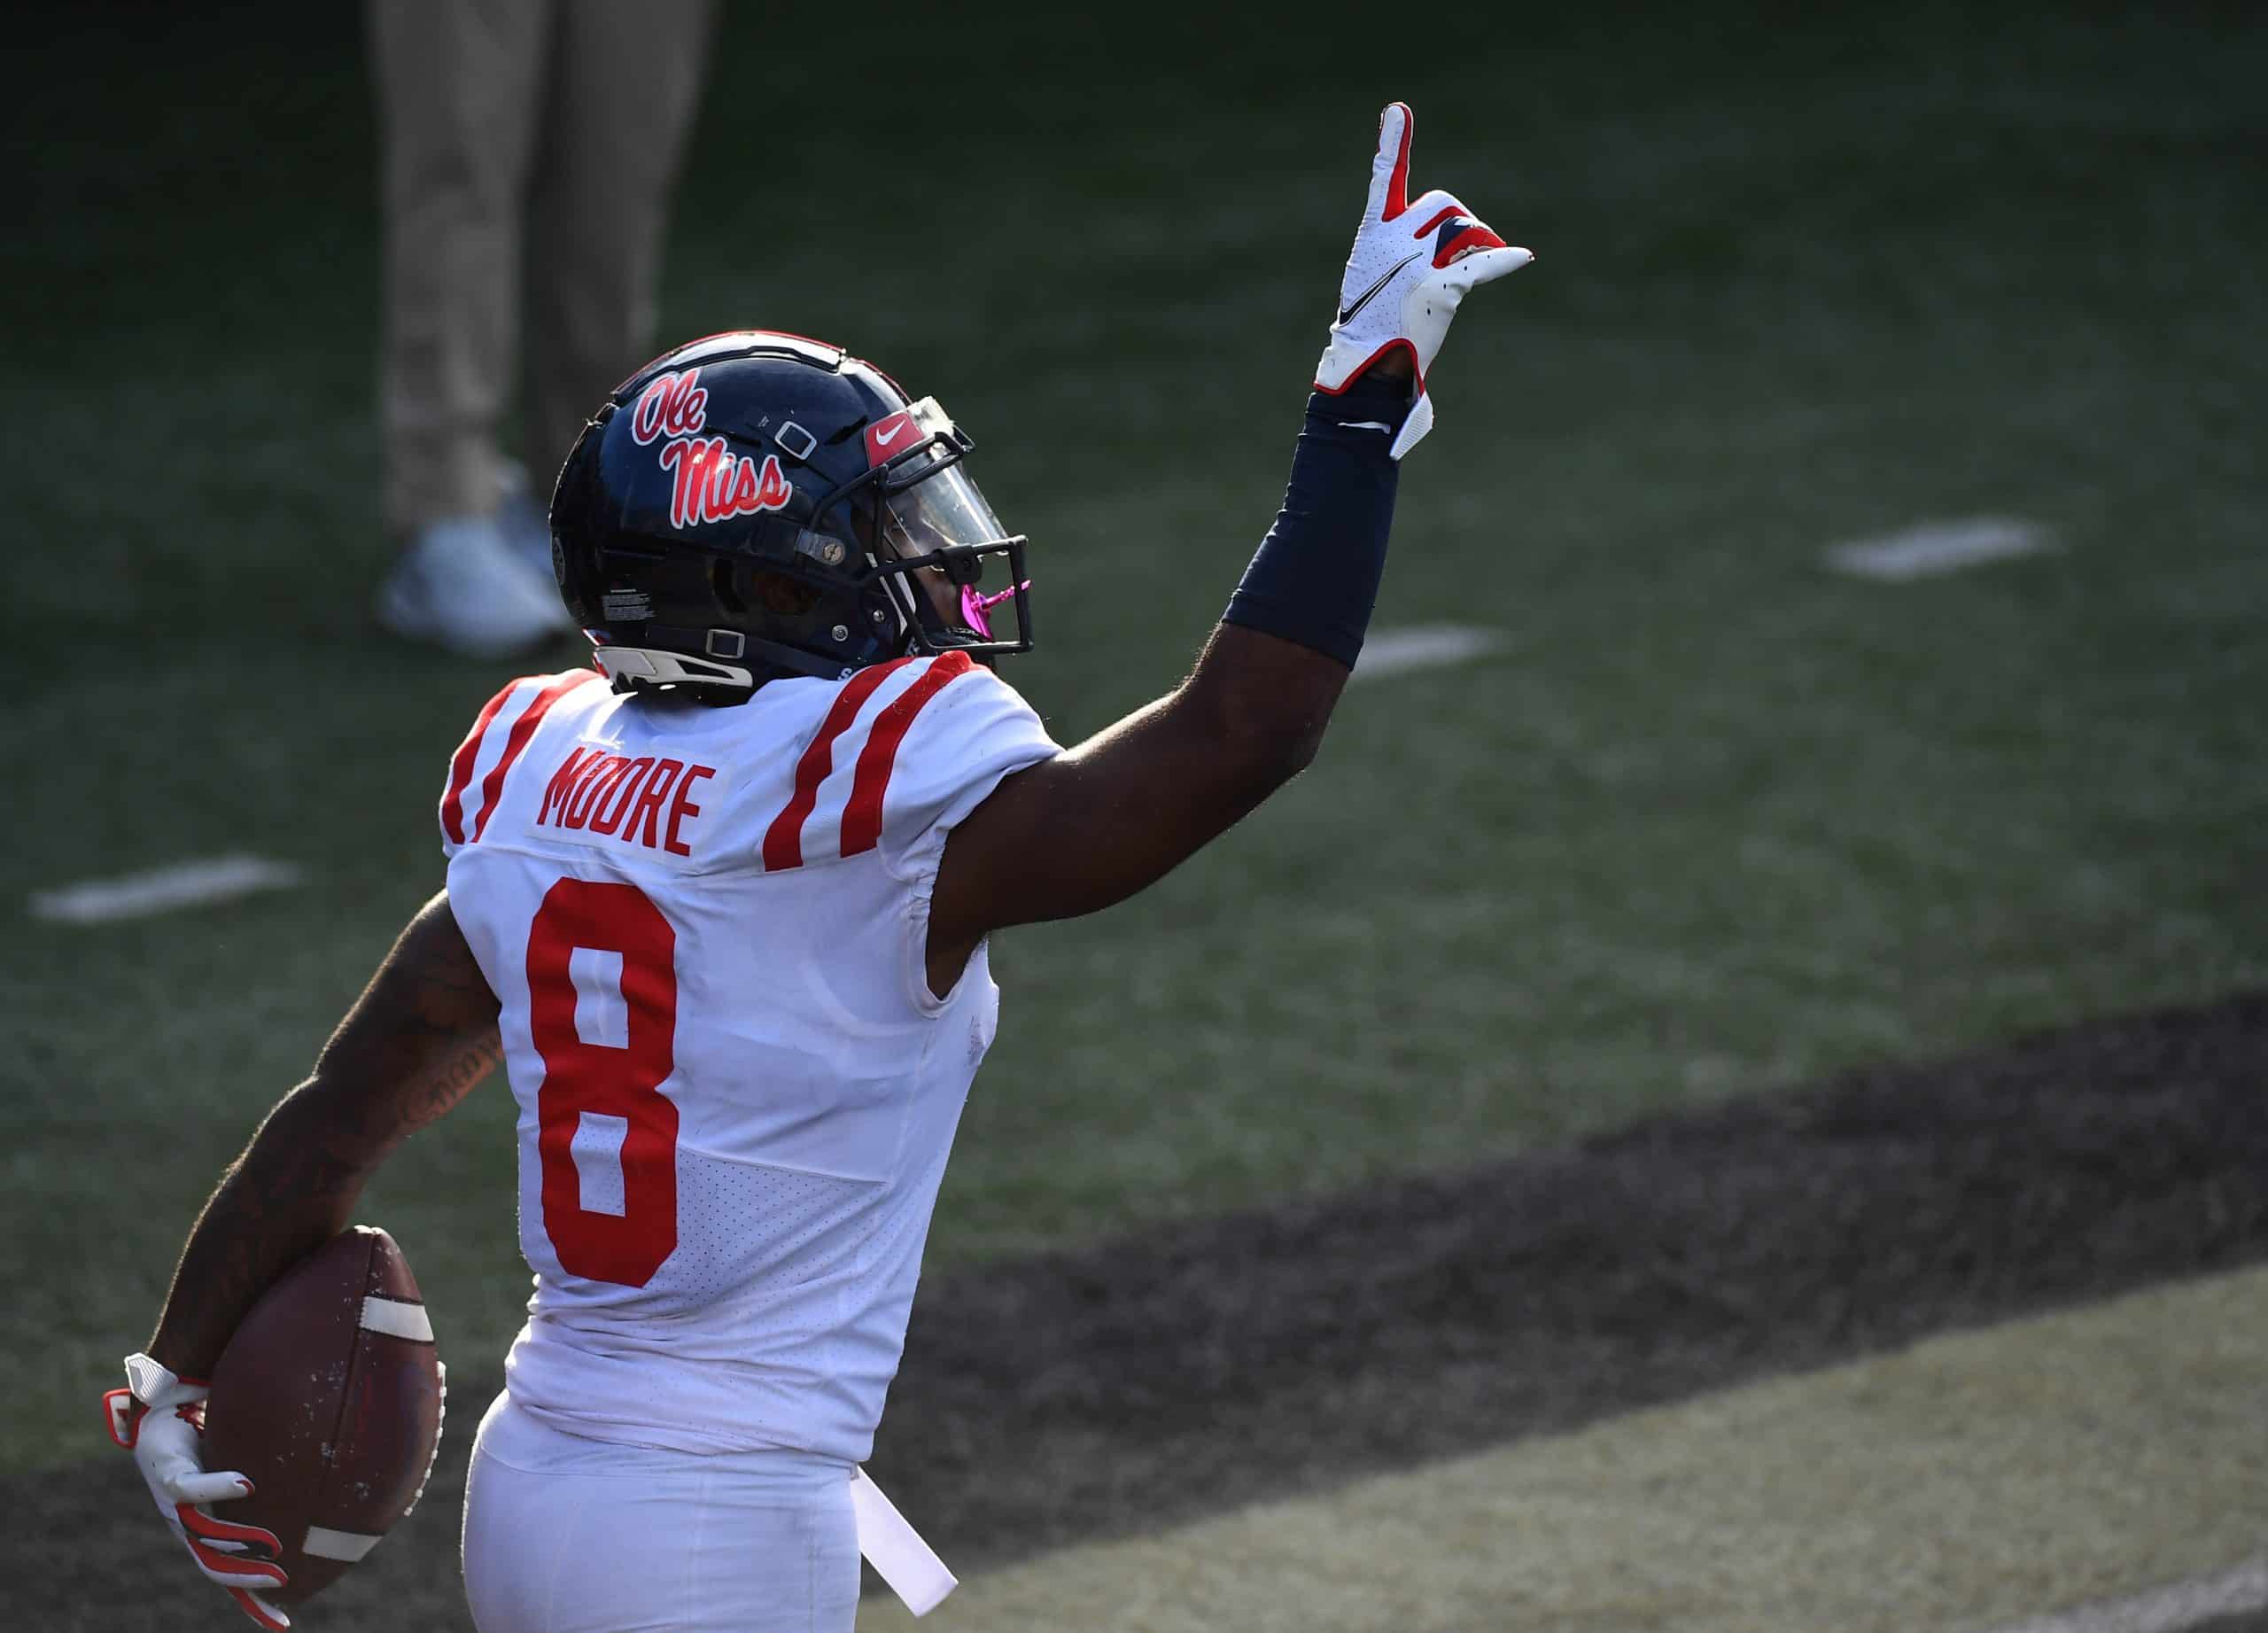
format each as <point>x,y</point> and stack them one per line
<point>942,544</point>
<point>954,573</point>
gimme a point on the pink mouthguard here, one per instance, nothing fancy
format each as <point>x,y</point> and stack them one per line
<point>973,606</point>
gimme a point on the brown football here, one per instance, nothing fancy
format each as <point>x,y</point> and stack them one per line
<point>328,1398</point>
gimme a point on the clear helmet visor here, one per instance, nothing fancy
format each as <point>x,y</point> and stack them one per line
<point>943,509</point>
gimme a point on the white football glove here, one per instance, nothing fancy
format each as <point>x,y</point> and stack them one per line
<point>1413,261</point>
<point>160,1418</point>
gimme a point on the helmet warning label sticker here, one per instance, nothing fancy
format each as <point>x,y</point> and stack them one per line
<point>710,483</point>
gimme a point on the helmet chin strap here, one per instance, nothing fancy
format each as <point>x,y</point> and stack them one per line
<point>905,600</point>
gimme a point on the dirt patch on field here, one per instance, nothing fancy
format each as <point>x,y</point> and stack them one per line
<point>1203,1367</point>
<point>1196,1368</point>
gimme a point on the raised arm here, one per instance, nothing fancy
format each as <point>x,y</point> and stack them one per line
<point>421,1034</point>
<point>1093,827</point>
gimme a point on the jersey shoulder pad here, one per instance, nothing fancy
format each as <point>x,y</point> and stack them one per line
<point>499,737</point>
<point>956,752</point>
<point>906,749</point>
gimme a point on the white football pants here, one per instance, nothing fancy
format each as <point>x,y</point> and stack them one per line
<point>564,1535</point>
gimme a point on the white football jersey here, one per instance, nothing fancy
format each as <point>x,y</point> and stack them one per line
<point>707,927</point>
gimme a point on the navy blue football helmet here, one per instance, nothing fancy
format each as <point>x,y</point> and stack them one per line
<point>757,504</point>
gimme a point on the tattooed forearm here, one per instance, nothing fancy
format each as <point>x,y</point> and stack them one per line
<point>288,1194</point>
<point>421,1036</point>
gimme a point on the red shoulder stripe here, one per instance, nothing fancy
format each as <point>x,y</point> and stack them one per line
<point>522,729</point>
<point>783,841</point>
<point>862,818</point>
<point>461,767</point>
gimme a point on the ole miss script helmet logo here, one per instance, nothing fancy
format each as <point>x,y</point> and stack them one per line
<point>710,483</point>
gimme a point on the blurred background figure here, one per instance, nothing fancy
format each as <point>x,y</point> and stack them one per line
<point>528,149</point>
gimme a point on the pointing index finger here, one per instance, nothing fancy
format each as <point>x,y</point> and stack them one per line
<point>1390,169</point>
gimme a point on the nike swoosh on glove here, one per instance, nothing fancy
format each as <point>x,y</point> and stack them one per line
<point>160,1418</point>
<point>1413,261</point>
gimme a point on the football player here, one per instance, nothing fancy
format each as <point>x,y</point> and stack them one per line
<point>719,905</point>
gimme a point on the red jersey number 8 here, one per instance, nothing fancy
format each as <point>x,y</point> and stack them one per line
<point>622,1083</point>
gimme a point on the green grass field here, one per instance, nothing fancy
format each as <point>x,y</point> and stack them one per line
<point>1717,820</point>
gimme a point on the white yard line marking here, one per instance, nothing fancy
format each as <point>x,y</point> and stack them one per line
<point>2162,1610</point>
<point>1424,646</point>
<point>185,885</point>
<point>1935,548</point>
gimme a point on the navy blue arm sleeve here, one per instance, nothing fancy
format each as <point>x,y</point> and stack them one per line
<point>1315,577</point>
